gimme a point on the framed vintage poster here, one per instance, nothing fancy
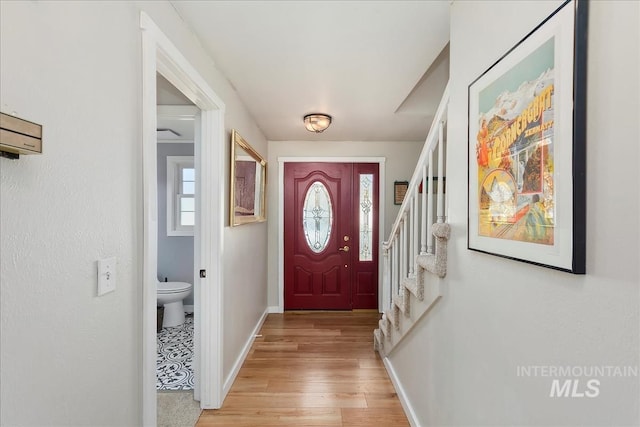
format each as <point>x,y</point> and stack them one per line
<point>527,153</point>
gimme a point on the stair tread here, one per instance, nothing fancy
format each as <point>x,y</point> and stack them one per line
<point>425,261</point>
<point>410,282</point>
<point>393,317</point>
<point>389,316</point>
<point>415,286</point>
<point>383,326</point>
<point>398,299</point>
<point>402,302</point>
<point>378,341</point>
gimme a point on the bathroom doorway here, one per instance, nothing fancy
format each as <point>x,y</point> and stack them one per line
<point>176,124</point>
<point>177,375</point>
<point>161,57</point>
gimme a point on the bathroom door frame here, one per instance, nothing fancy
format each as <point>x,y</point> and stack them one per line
<point>160,55</point>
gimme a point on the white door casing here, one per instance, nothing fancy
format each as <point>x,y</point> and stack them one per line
<point>159,55</point>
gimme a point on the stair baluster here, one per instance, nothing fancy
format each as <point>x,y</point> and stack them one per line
<point>411,252</point>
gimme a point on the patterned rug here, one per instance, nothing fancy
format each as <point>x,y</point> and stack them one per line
<point>174,366</point>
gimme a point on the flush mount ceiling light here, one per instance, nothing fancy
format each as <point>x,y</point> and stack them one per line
<point>317,122</point>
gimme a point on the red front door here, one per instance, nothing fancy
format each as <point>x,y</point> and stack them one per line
<point>331,235</point>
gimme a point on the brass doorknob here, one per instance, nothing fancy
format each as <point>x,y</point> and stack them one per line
<point>345,248</point>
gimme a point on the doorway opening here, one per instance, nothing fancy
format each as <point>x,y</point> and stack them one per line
<point>177,119</point>
<point>161,56</point>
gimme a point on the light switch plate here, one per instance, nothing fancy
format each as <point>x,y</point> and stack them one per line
<point>106,275</point>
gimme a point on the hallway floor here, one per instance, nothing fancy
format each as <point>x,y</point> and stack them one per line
<point>312,369</point>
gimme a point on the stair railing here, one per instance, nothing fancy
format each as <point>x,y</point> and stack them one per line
<point>411,234</point>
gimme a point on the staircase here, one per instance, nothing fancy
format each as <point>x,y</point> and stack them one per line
<point>415,255</point>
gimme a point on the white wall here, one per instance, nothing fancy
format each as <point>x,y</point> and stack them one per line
<point>459,364</point>
<point>401,159</point>
<point>68,356</point>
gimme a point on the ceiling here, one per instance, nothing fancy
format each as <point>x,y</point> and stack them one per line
<point>378,67</point>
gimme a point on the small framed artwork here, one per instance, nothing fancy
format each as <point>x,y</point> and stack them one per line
<point>527,147</point>
<point>399,191</point>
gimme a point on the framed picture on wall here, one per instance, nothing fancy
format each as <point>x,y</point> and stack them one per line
<point>399,191</point>
<point>526,147</point>
<point>247,192</point>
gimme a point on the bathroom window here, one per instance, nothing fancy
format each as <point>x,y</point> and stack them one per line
<point>181,188</point>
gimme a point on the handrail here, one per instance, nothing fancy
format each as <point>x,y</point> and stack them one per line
<point>410,251</point>
<point>430,143</point>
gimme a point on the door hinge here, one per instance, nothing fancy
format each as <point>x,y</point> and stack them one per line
<point>203,274</point>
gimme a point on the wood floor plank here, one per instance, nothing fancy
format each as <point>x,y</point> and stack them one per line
<point>371,363</point>
<point>336,354</point>
<point>266,373</point>
<point>297,363</point>
<point>333,386</point>
<point>251,384</point>
<point>340,374</point>
<point>333,346</point>
<point>294,400</point>
<point>278,324</point>
<point>317,340</point>
<point>383,400</point>
<point>356,417</point>
<point>328,417</point>
<point>303,332</point>
<point>354,331</point>
<point>312,369</point>
<point>271,347</point>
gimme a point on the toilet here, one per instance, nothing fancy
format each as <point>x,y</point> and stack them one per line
<point>171,294</point>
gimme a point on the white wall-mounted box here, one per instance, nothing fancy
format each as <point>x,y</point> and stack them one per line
<point>19,136</point>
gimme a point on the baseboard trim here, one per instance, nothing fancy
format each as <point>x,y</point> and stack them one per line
<point>243,355</point>
<point>188,309</point>
<point>402,396</point>
<point>274,309</point>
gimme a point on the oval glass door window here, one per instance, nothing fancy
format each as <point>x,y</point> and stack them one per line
<point>317,217</point>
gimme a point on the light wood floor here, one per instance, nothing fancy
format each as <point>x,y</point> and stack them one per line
<point>312,369</point>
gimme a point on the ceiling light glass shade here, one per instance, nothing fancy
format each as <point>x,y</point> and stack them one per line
<point>317,122</point>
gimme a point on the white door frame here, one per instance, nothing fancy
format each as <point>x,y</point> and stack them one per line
<point>159,55</point>
<point>381,179</point>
